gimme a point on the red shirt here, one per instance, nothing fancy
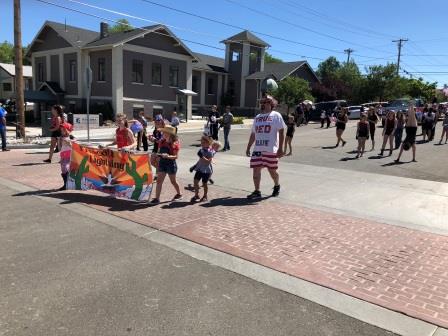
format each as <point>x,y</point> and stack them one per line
<point>169,148</point>
<point>122,137</point>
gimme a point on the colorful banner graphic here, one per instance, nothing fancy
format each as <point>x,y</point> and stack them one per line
<point>110,171</point>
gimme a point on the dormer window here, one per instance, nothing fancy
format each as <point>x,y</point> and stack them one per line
<point>236,56</point>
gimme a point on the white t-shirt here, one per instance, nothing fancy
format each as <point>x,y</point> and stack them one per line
<point>265,128</point>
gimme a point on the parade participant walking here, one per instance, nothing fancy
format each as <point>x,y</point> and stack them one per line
<point>268,134</point>
<point>155,138</point>
<point>323,117</point>
<point>411,133</point>
<point>3,128</point>
<point>168,152</point>
<point>227,120</point>
<point>203,168</point>
<point>56,121</point>
<point>212,122</point>
<point>65,152</point>
<point>142,135</point>
<point>444,129</point>
<point>124,138</point>
<point>175,122</point>
<point>427,124</point>
<point>362,134</point>
<point>390,126</point>
<point>372,118</point>
<point>291,127</point>
<point>401,122</point>
<point>341,122</point>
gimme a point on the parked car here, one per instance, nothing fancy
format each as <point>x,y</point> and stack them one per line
<point>327,106</point>
<point>402,105</point>
<point>354,112</point>
<point>372,104</point>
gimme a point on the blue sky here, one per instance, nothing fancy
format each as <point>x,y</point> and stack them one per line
<point>368,27</point>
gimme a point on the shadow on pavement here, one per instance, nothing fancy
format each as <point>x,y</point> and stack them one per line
<point>37,153</point>
<point>349,158</point>
<point>376,157</point>
<point>113,204</point>
<point>439,144</point>
<point>229,201</point>
<point>35,192</point>
<point>329,147</point>
<point>30,164</point>
<point>393,163</point>
<point>176,205</point>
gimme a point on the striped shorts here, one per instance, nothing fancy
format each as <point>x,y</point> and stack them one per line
<point>264,160</point>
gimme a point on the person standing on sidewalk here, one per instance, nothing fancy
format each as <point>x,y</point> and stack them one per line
<point>56,121</point>
<point>3,128</point>
<point>268,134</point>
<point>227,120</point>
<point>175,122</point>
<point>212,122</point>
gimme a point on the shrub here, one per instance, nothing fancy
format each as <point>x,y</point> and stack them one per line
<point>238,121</point>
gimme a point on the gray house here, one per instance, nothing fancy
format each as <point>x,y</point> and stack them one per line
<point>8,82</point>
<point>149,69</point>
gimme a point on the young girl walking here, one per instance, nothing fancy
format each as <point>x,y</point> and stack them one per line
<point>444,128</point>
<point>203,168</point>
<point>65,152</point>
<point>373,118</point>
<point>291,127</point>
<point>390,125</point>
<point>362,134</point>
<point>168,152</point>
<point>124,138</point>
<point>55,129</point>
<point>341,122</point>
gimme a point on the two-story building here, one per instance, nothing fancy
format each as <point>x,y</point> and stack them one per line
<point>8,80</point>
<point>149,69</point>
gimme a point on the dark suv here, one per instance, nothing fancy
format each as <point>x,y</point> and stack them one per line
<point>327,106</point>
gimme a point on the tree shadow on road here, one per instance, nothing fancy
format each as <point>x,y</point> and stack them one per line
<point>232,201</point>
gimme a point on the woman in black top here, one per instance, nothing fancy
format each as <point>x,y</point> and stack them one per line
<point>390,125</point>
<point>372,118</point>
<point>411,132</point>
<point>362,134</point>
<point>341,121</point>
<point>291,124</point>
<point>213,122</point>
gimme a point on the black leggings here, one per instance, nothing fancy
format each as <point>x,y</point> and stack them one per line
<point>372,131</point>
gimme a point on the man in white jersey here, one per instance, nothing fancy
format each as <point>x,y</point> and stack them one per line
<point>268,134</point>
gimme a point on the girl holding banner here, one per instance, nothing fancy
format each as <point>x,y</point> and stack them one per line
<point>124,138</point>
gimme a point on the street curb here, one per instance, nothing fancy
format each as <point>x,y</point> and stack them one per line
<point>342,303</point>
<point>107,139</point>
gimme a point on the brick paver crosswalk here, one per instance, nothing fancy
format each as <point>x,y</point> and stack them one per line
<point>397,268</point>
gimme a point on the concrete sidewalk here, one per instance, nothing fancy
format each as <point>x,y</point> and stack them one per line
<point>392,266</point>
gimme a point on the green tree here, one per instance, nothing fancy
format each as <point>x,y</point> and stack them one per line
<point>418,88</point>
<point>268,58</point>
<point>293,90</point>
<point>7,54</point>
<point>122,26</point>
<point>328,69</point>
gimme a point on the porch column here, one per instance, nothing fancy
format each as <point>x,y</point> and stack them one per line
<point>189,87</point>
<point>117,79</point>
<point>202,102</point>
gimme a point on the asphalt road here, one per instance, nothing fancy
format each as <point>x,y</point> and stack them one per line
<point>314,146</point>
<point>65,274</point>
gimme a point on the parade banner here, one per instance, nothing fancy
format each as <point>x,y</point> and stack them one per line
<point>125,175</point>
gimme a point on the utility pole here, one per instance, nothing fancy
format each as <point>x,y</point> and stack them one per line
<point>400,45</point>
<point>348,52</point>
<point>20,101</point>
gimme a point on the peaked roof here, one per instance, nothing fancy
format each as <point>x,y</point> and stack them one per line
<point>11,69</point>
<point>52,86</point>
<point>278,70</point>
<point>246,36</point>
<point>119,37</point>
<point>77,37</point>
<point>210,63</point>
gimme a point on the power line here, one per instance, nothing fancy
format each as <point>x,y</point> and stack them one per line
<point>334,19</point>
<point>242,28</point>
<point>282,20</point>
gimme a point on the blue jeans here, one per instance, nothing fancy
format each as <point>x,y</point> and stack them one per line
<point>226,138</point>
<point>3,135</point>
